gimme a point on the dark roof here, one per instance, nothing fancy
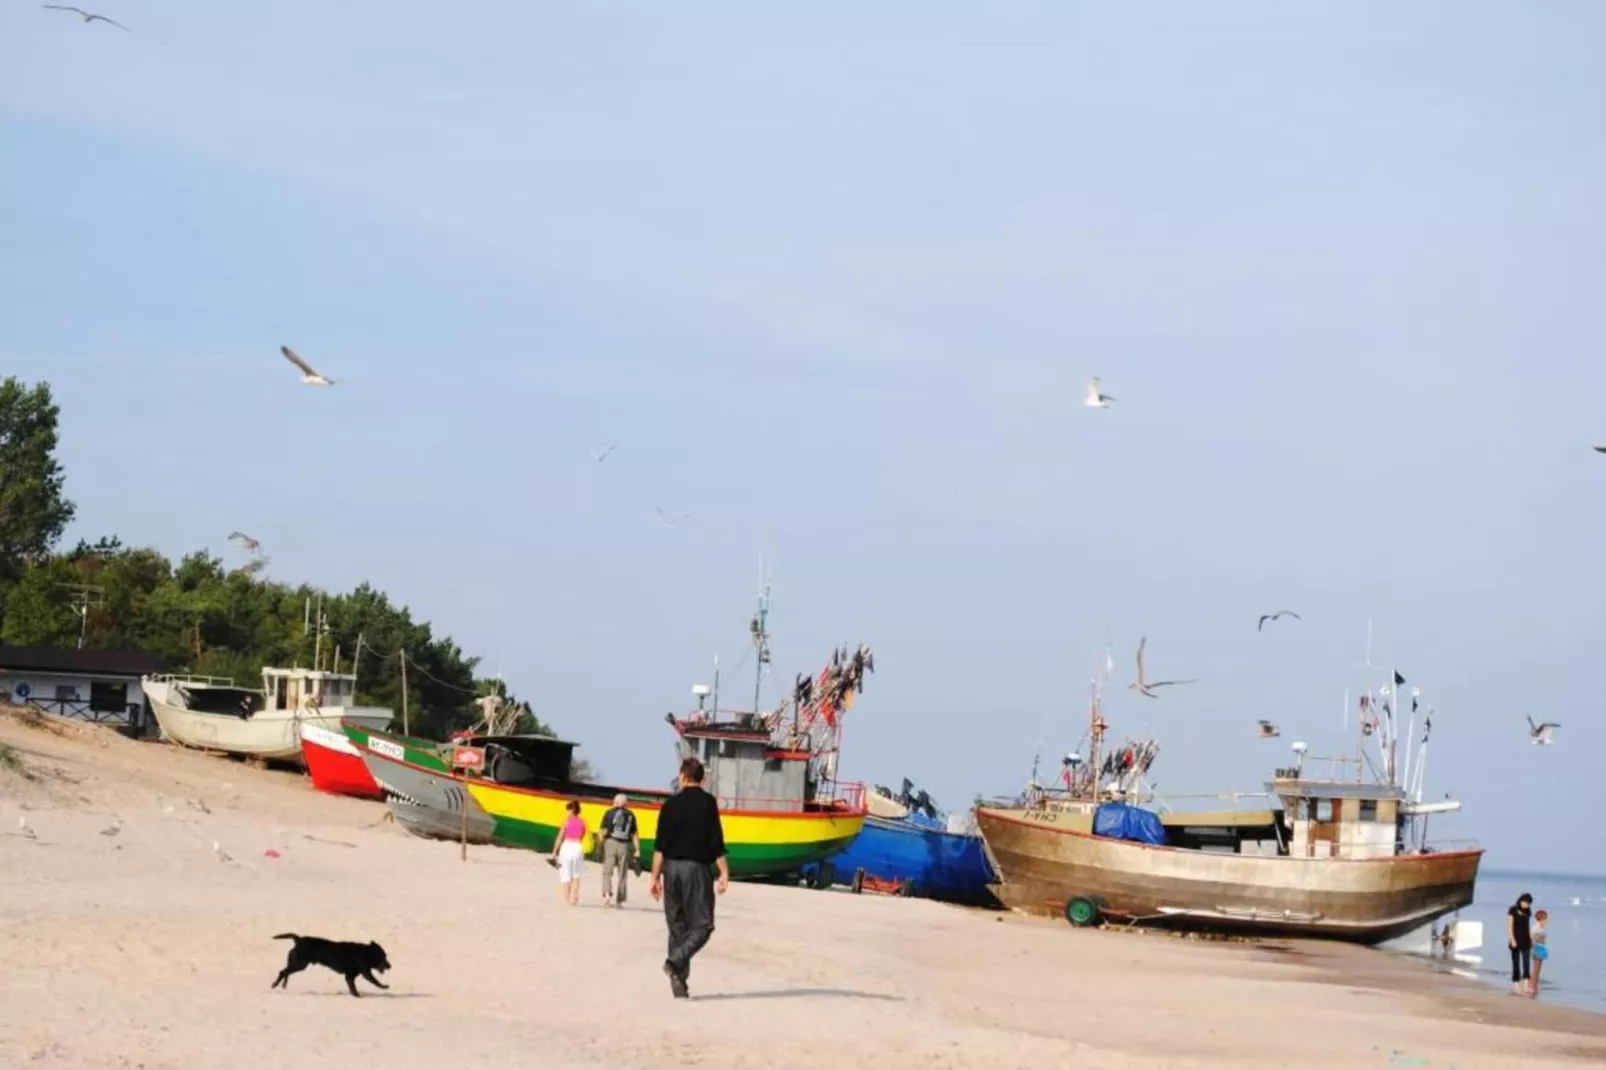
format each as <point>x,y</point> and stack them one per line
<point>66,659</point>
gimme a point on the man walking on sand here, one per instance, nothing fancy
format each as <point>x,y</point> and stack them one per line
<point>690,841</point>
<point>621,847</point>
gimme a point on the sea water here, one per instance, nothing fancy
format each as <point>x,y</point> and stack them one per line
<point>1575,973</point>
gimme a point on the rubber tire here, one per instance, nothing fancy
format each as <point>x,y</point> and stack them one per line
<point>824,877</point>
<point>858,881</point>
<point>1082,911</point>
<point>907,889</point>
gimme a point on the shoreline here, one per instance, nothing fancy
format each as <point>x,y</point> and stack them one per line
<point>146,947</point>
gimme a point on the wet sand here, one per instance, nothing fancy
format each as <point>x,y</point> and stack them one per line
<point>150,949</point>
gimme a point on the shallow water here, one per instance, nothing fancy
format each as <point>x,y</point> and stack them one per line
<point>1575,973</point>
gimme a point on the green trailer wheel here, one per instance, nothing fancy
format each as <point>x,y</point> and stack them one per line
<point>1082,911</point>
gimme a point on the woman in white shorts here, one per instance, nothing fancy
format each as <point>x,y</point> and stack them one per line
<point>569,853</point>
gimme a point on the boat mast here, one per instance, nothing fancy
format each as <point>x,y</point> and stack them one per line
<point>1095,731</point>
<point>761,640</point>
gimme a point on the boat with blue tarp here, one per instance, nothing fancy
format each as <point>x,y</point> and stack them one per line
<point>910,848</point>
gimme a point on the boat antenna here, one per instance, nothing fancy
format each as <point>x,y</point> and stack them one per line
<point>714,716</point>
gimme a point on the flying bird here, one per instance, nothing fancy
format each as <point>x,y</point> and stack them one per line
<point>246,542</point>
<point>1541,734</point>
<point>603,456</point>
<point>1096,398</point>
<point>673,521</point>
<point>1264,617</point>
<point>1146,687</point>
<point>87,16</point>
<point>1267,730</point>
<point>309,374</point>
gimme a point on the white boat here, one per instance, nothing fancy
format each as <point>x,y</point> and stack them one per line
<point>209,713</point>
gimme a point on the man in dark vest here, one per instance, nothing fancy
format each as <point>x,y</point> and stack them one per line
<point>689,844</point>
<point>621,847</point>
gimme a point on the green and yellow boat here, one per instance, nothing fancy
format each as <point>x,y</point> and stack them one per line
<point>520,799</point>
<point>779,802</point>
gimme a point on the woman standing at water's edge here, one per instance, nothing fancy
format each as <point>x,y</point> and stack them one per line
<point>569,854</point>
<point>1520,940</point>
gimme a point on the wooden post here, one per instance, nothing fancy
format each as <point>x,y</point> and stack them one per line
<point>407,728</point>
<point>462,844</point>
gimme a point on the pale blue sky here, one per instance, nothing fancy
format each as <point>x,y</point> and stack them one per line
<point>833,279</point>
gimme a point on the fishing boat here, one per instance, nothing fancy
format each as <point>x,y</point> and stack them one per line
<point>780,805</point>
<point>211,713</point>
<point>334,764</point>
<point>908,847</point>
<point>1341,856</point>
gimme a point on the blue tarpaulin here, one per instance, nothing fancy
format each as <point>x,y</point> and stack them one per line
<point>1119,821</point>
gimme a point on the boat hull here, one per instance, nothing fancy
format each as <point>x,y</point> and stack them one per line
<point>1044,863</point>
<point>334,764</point>
<point>432,802</point>
<point>934,863</point>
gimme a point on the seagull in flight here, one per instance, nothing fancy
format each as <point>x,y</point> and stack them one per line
<point>1267,730</point>
<point>87,16</point>
<point>1146,687</point>
<point>309,374</point>
<point>1096,398</point>
<point>246,542</point>
<point>1541,734</point>
<point>673,521</point>
<point>1264,617</point>
<point>603,456</point>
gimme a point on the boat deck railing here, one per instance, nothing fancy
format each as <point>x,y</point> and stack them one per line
<point>188,678</point>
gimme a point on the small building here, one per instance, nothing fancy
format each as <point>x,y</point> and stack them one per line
<point>91,685</point>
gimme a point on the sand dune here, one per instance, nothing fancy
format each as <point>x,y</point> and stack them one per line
<point>148,949</point>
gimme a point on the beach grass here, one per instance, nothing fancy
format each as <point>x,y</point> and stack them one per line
<point>10,760</point>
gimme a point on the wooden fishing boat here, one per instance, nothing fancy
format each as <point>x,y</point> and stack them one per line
<point>1341,857</point>
<point>780,807</point>
<point>214,714</point>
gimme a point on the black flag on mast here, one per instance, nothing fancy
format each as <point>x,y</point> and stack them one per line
<point>1399,681</point>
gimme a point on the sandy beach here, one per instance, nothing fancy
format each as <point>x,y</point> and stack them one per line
<point>150,948</point>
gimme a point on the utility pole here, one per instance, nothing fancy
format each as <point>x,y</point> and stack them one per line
<point>407,728</point>
<point>84,597</point>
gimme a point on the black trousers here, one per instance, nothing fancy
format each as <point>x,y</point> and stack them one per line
<point>688,909</point>
<point>1520,958</point>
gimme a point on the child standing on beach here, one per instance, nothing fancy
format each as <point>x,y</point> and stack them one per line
<point>569,854</point>
<point>1541,952</point>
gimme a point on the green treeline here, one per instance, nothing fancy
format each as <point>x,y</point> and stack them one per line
<point>195,614</point>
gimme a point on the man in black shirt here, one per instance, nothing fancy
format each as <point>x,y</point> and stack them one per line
<point>689,841</point>
<point>1519,938</point>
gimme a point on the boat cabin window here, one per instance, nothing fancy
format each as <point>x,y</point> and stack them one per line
<point>1324,809</point>
<point>1368,810</point>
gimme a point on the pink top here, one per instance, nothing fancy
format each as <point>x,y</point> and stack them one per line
<point>574,829</point>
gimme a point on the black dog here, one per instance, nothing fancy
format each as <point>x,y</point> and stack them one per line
<point>347,959</point>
